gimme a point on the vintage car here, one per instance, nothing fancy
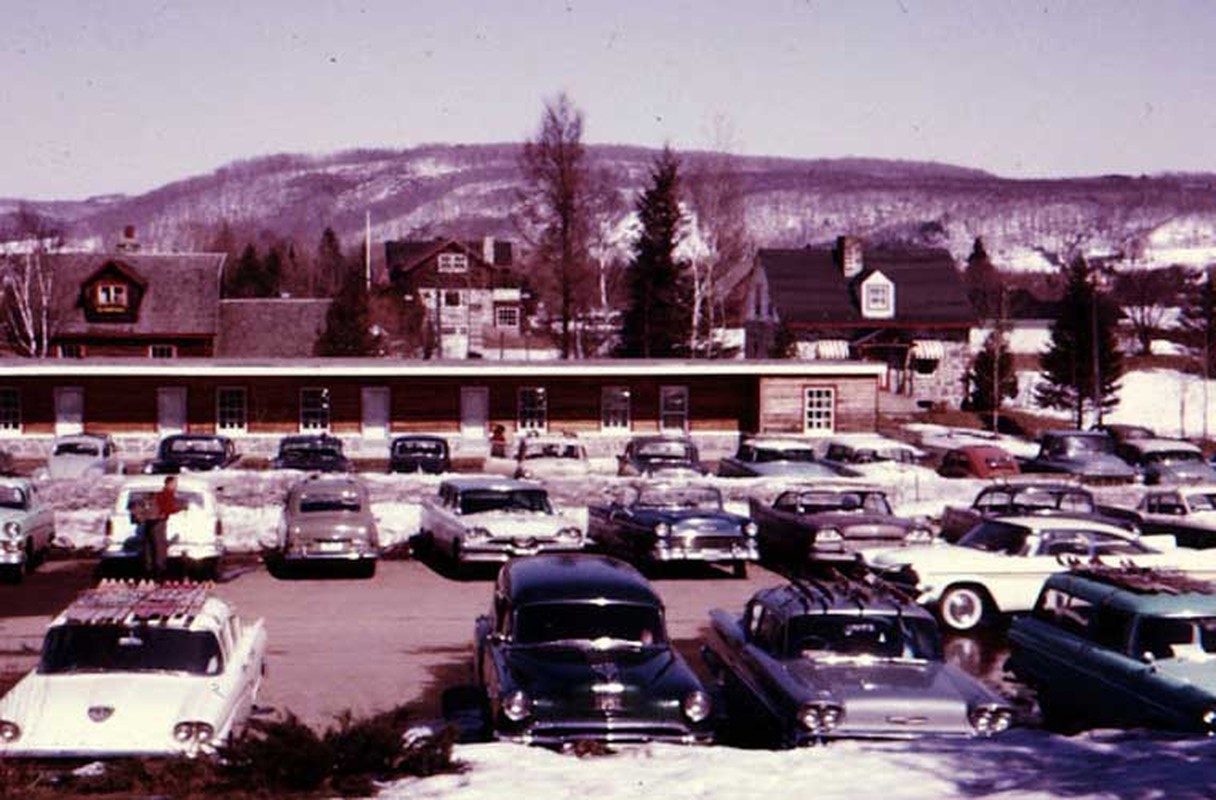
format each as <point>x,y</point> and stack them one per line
<point>999,567</point>
<point>984,461</point>
<point>27,528</point>
<point>575,648</point>
<point>843,657</point>
<point>660,457</point>
<point>1167,461</point>
<point>419,453</point>
<point>327,519</point>
<point>310,452</point>
<point>192,452</point>
<point>657,523</point>
<point>195,534</point>
<point>137,670</point>
<point>828,521</point>
<point>851,451</point>
<point>551,456</point>
<point>494,519</point>
<point>1030,496</point>
<point>83,455</point>
<point>1188,513</point>
<point>786,458</point>
<point>1088,455</point>
<point>1120,647</point>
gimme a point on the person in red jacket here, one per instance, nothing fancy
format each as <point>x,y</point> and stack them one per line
<point>164,505</point>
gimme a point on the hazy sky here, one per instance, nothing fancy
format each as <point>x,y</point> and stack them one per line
<point>125,95</point>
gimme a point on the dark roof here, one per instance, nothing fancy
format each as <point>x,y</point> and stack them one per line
<point>573,578</point>
<point>402,255</point>
<point>808,287</point>
<point>181,296</point>
<point>270,327</point>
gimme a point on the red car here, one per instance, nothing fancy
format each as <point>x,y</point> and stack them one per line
<point>978,461</point>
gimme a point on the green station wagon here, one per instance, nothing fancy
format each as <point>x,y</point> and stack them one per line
<point>1121,647</point>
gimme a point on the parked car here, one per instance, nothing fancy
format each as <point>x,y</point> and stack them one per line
<point>999,567</point>
<point>1089,455</point>
<point>978,461</point>
<point>327,519</point>
<point>551,456</point>
<point>1188,513</point>
<point>1122,434</point>
<point>827,521</point>
<point>195,534</point>
<point>192,452</point>
<point>494,519</point>
<point>419,453</point>
<point>312,452</point>
<point>137,670</point>
<point>27,528</point>
<point>1167,461</point>
<point>852,450</point>
<point>83,455</point>
<point>1119,647</point>
<point>787,458</point>
<point>575,648</point>
<point>825,659</point>
<point>1029,495</point>
<point>657,523</point>
<point>660,457</point>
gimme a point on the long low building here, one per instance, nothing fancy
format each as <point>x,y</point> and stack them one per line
<point>366,401</point>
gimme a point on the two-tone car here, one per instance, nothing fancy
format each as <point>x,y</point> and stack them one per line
<point>760,456</point>
<point>1088,455</point>
<point>842,657</point>
<point>1027,496</point>
<point>137,670</point>
<point>657,523</point>
<point>575,648</point>
<point>27,528</point>
<point>327,520</point>
<point>195,533</point>
<point>1188,513</point>
<point>479,519</point>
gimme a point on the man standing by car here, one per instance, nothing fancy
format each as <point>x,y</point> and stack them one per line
<point>164,505</point>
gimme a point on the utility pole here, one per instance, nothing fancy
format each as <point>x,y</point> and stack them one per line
<point>367,252</point>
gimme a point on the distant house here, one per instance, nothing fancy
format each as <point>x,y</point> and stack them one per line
<point>474,303</point>
<point>904,307</point>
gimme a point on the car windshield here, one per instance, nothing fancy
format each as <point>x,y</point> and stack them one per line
<point>1201,501</point>
<point>1007,539</point>
<point>145,497</point>
<point>418,447</point>
<point>595,624</point>
<point>209,446</point>
<point>119,648</point>
<point>664,451</point>
<point>552,450</point>
<point>77,449</point>
<point>316,502</point>
<point>701,498</point>
<point>1173,457</point>
<point>1187,638</point>
<point>12,497</point>
<point>818,502</point>
<point>1036,499</point>
<point>829,636</point>
<point>1088,445</point>
<point>765,454</point>
<point>476,501</point>
<point>301,451</point>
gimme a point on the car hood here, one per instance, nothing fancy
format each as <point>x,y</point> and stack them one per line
<point>554,466</point>
<point>691,519</point>
<point>195,460</point>
<point>12,515</point>
<point>72,466</point>
<point>569,672</point>
<point>519,523</point>
<point>1190,471</point>
<point>867,526</point>
<point>1102,464</point>
<point>940,557</point>
<point>809,469</point>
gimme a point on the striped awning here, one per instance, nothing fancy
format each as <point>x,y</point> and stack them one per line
<point>928,350</point>
<point>833,349</point>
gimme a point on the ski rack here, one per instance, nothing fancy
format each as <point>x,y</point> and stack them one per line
<point>1143,580</point>
<point>115,601</point>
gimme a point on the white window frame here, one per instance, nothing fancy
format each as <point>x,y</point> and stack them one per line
<point>111,294</point>
<point>819,409</point>
<point>10,411</point>
<point>506,316</point>
<point>316,409</point>
<point>532,415</point>
<point>668,411</point>
<point>878,297</point>
<point>452,263</point>
<point>227,418</point>
<point>166,351</point>
<point>615,413</point>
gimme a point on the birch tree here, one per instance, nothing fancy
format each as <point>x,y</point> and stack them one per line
<point>27,283</point>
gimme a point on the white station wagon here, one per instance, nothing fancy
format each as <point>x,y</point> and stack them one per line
<point>494,519</point>
<point>196,543</point>
<point>137,669</point>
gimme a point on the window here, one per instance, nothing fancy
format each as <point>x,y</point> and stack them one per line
<point>231,411</point>
<point>162,351</point>
<point>877,297</point>
<point>10,410</point>
<point>614,408</point>
<point>314,409</point>
<point>673,408</point>
<point>506,316</point>
<point>111,296</point>
<point>453,262</point>
<point>820,410</point>
<point>451,299</point>
<point>71,350</point>
<point>1063,610</point>
<point>533,408</point>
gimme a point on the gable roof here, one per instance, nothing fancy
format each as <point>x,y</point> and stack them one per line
<point>181,292</point>
<point>405,255</point>
<point>270,327</point>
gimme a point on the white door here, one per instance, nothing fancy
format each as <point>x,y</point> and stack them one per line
<point>170,410</point>
<point>69,410</point>
<point>474,411</point>
<point>375,412</point>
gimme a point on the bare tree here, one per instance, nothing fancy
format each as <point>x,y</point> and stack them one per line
<point>1145,293</point>
<point>27,284</point>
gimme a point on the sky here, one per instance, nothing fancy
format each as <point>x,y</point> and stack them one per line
<point>127,95</point>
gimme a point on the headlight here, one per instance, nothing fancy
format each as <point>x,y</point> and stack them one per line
<point>697,706</point>
<point>820,717</point>
<point>9,731</point>
<point>919,536</point>
<point>750,529</point>
<point>516,706</point>
<point>12,529</point>
<point>662,529</point>
<point>987,720</point>
<point>199,732</point>
<point>571,534</point>
<point>828,536</point>
<point>478,535</point>
<point>1208,719</point>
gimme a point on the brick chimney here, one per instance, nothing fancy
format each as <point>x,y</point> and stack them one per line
<point>848,251</point>
<point>128,243</point>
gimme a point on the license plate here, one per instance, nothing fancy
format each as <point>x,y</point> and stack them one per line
<point>331,547</point>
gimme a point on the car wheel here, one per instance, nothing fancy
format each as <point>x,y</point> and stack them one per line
<point>962,608</point>
<point>12,573</point>
<point>368,569</point>
<point>739,569</point>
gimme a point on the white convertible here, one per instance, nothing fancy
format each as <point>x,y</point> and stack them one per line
<point>1001,564</point>
<point>493,519</point>
<point>137,669</point>
<point>195,534</point>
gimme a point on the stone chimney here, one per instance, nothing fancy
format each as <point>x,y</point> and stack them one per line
<point>848,251</point>
<point>487,250</point>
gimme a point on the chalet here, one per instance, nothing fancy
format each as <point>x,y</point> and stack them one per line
<point>905,308</point>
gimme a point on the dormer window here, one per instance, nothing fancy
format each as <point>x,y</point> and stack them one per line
<point>111,296</point>
<point>877,297</point>
<point>453,262</point>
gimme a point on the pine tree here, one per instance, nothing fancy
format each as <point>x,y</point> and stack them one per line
<point>1069,364</point>
<point>330,268</point>
<point>658,320</point>
<point>992,368</point>
<point>244,276</point>
<point>983,282</point>
<point>347,323</point>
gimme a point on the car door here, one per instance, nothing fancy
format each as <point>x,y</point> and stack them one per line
<point>42,520</point>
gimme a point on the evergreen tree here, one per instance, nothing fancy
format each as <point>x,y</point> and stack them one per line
<point>347,323</point>
<point>245,274</point>
<point>272,274</point>
<point>983,282</point>
<point>330,268</point>
<point>658,319</point>
<point>1198,320</point>
<point>1073,364</point>
<point>992,368</point>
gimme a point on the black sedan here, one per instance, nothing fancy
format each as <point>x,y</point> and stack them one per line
<point>419,453</point>
<point>311,452</point>
<point>192,452</point>
<point>658,523</point>
<point>575,649</point>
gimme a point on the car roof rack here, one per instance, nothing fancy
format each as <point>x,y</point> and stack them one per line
<point>852,585</point>
<point>116,601</point>
<point>1144,580</point>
